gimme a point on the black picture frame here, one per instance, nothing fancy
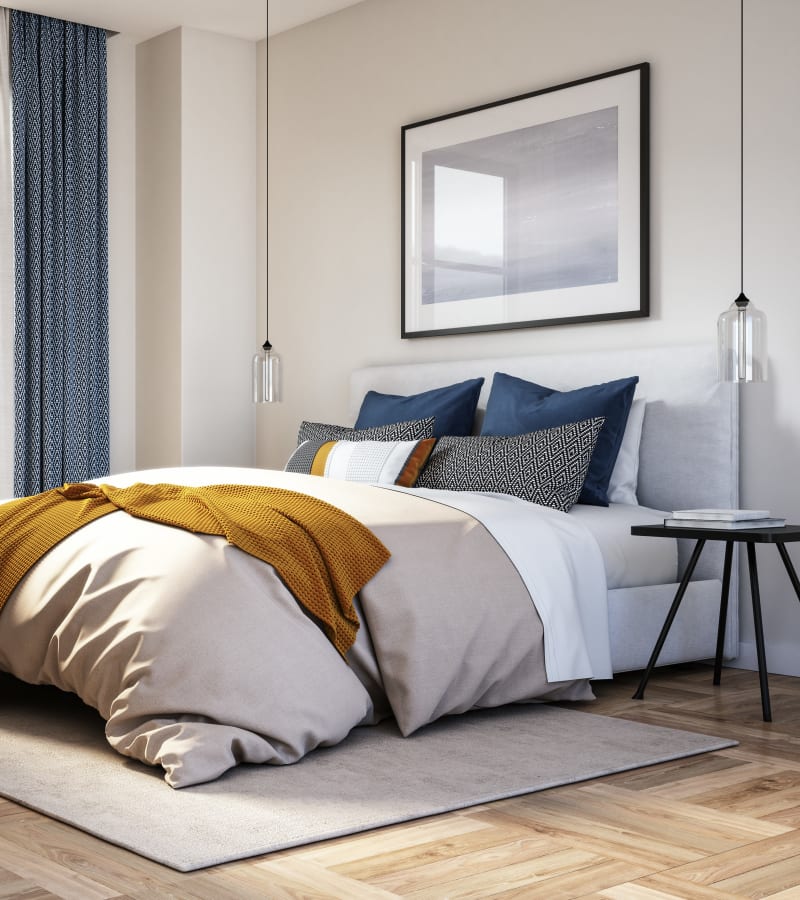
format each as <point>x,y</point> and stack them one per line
<point>529,211</point>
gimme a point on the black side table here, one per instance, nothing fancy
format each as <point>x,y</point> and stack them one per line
<point>750,536</point>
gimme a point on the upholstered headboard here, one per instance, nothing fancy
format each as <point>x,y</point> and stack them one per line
<point>689,455</point>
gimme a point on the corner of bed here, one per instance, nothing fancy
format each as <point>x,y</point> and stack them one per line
<point>688,457</point>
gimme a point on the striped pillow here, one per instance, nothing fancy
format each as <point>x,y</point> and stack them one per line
<point>374,462</point>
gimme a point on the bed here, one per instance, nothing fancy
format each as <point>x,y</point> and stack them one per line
<point>199,657</point>
<point>688,458</point>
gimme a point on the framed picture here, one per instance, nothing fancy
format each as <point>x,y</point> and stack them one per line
<point>528,211</point>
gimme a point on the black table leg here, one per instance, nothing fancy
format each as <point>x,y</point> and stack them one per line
<point>789,568</point>
<point>723,610</point>
<point>759,629</point>
<point>698,548</point>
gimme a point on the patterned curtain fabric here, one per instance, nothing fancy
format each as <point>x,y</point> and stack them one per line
<point>6,270</point>
<point>58,74</point>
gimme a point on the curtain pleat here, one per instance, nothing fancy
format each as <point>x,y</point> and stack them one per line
<point>58,73</point>
<point>6,269</point>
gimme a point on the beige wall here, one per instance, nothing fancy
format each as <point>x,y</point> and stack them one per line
<point>195,248</point>
<point>218,248</point>
<point>264,435</point>
<point>158,251</point>
<point>340,89</point>
<point>122,250</point>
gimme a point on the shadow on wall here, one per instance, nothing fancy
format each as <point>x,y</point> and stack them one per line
<point>769,453</point>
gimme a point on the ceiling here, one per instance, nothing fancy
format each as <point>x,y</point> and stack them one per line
<point>143,19</point>
<point>286,14</point>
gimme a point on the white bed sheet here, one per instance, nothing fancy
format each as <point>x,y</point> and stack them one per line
<point>630,561</point>
<point>558,560</point>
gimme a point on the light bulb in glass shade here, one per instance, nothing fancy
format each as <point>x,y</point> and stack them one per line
<point>266,375</point>
<point>742,329</point>
<point>742,342</point>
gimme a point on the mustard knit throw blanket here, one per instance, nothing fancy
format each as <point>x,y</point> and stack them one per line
<point>323,555</point>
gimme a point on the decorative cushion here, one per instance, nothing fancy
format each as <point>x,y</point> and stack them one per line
<point>546,467</point>
<point>517,406</point>
<point>625,478</point>
<point>397,431</point>
<point>452,406</point>
<point>376,462</point>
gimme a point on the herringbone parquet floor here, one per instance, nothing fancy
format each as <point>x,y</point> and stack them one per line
<point>720,825</point>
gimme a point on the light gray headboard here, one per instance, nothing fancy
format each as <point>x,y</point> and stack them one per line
<point>689,453</point>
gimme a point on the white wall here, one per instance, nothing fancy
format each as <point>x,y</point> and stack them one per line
<point>122,250</point>
<point>196,248</point>
<point>771,429</point>
<point>264,435</point>
<point>341,87</point>
<point>218,186</point>
<point>158,251</point>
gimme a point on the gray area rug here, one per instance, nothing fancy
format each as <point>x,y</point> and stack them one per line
<point>55,760</point>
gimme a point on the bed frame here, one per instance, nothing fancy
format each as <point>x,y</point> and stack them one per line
<point>689,457</point>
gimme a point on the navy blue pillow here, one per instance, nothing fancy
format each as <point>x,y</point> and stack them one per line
<point>453,408</point>
<point>517,406</point>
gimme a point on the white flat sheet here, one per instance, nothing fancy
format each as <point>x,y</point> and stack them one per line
<point>559,561</point>
<point>630,561</point>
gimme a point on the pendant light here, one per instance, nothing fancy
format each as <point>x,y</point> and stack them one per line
<point>266,366</point>
<point>742,329</point>
<point>266,363</point>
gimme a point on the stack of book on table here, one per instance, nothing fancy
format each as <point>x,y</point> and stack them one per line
<point>723,518</point>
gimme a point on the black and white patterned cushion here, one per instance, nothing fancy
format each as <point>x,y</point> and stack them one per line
<point>414,430</point>
<point>546,467</point>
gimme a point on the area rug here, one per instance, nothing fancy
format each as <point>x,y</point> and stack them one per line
<point>55,760</point>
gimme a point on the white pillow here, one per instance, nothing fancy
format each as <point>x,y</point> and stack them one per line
<point>624,479</point>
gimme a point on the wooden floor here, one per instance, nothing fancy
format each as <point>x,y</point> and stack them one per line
<point>719,825</point>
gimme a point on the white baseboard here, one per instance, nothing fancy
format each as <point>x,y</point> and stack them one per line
<point>782,658</point>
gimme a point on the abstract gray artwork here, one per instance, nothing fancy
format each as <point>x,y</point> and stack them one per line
<point>528,210</point>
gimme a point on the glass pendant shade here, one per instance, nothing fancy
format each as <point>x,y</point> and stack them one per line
<point>266,375</point>
<point>742,342</point>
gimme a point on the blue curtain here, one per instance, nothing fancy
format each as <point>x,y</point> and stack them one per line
<point>58,72</point>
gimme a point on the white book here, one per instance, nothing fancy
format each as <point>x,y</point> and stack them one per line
<point>721,515</point>
<point>729,525</point>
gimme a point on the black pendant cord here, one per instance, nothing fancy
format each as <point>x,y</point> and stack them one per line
<point>741,300</point>
<point>266,346</point>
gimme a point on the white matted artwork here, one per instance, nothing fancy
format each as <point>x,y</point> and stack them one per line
<point>528,211</point>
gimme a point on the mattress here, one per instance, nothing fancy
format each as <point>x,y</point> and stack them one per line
<point>630,561</point>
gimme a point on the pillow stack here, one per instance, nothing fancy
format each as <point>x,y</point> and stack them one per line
<point>516,406</point>
<point>550,447</point>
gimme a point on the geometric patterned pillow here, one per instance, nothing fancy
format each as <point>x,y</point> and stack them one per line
<point>547,467</point>
<point>413,430</point>
<point>374,462</point>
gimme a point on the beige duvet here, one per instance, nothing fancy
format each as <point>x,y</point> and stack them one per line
<point>198,658</point>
